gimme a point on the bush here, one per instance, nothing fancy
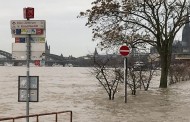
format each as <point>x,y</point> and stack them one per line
<point>178,73</point>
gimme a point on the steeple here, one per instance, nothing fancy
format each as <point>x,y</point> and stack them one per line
<point>47,48</point>
<point>95,52</point>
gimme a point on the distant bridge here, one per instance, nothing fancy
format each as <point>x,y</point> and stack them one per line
<point>50,59</point>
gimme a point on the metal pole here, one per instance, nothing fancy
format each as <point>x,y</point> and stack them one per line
<point>125,77</point>
<point>28,78</point>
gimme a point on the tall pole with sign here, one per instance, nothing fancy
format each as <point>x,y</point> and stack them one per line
<point>28,13</point>
<point>30,46</point>
<point>124,51</point>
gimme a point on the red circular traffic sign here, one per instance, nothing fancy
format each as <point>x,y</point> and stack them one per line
<point>124,50</point>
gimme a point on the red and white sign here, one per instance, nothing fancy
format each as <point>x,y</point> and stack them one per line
<point>124,50</point>
<point>39,31</point>
<point>28,13</point>
<point>37,62</point>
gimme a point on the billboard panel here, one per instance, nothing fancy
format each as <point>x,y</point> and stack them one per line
<point>38,47</point>
<point>19,47</point>
<point>23,47</point>
<point>22,55</point>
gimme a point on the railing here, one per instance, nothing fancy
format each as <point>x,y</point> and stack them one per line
<point>38,115</point>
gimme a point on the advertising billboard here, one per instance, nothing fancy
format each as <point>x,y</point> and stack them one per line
<point>23,47</point>
<point>22,55</point>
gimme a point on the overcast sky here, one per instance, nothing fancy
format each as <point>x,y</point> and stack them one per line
<point>65,33</point>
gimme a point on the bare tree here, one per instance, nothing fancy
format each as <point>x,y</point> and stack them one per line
<point>108,76</point>
<point>155,22</point>
<point>141,76</point>
<point>133,80</point>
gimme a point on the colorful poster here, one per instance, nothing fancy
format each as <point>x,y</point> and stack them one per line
<point>20,40</point>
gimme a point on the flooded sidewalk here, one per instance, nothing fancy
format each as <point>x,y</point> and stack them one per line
<point>74,88</point>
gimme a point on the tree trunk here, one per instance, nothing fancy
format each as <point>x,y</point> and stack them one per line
<point>110,96</point>
<point>165,63</point>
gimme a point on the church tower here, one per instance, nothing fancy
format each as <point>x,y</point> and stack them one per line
<point>47,49</point>
<point>95,52</point>
<point>186,36</point>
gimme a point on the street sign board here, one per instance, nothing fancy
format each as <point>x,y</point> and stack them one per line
<point>33,88</point>
<point>28,24</point>
<point>124,50</point>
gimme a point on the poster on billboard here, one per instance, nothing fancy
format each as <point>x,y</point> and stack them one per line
<point>32,40</point>
<point>20,40</point>
<point>37,40</point>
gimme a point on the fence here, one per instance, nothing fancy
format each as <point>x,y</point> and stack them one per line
<point>38,115</point>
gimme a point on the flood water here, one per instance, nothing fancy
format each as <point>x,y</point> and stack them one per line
<point>74,88</point>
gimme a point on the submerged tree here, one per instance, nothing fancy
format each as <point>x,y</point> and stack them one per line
<point>155,22</point>
<point>109,76</point>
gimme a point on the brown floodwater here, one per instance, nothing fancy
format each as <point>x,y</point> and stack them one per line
<point>74,88</point>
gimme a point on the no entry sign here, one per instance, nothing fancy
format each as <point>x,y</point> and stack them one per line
<point>124,50</point>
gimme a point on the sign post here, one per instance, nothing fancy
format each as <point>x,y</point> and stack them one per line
<point>28,78</point>
<point>28,14</point>
<point>124,51</point>
<point>29,45</point>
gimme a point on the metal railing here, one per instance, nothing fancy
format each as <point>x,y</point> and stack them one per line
<point>38,115</point>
